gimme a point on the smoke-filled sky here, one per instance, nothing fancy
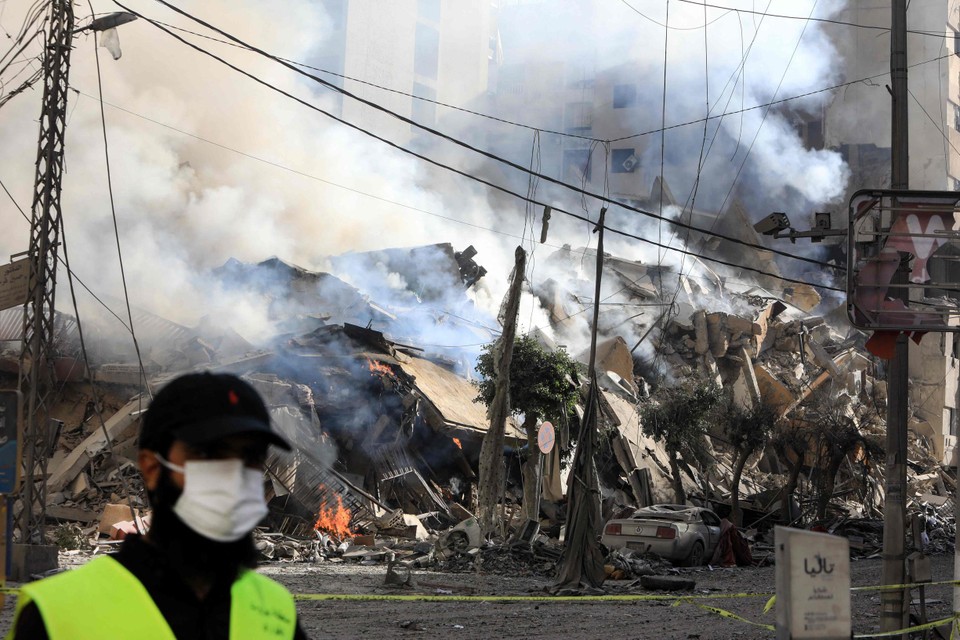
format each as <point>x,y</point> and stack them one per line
<point>208,165</point>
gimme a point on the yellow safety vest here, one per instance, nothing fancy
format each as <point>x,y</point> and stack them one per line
<point>103,600</point>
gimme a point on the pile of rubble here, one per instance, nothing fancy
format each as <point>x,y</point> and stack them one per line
<point>387,432</point>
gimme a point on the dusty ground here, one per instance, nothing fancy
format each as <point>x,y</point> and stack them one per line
<point>374,620</point>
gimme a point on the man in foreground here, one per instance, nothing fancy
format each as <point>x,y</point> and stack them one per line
<point>203,445</point>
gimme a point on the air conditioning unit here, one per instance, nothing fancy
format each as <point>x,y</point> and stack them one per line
<point>631,163</point>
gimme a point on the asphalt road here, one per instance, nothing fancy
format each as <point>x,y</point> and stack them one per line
<point>548,617</point>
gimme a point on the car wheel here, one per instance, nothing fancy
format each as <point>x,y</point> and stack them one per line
<point>458,542</point>
<point>695,559</point>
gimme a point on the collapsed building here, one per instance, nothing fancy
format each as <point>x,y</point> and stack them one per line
<point>385,422</point>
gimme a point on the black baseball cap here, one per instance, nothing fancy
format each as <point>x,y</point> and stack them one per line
<point>201,408</point>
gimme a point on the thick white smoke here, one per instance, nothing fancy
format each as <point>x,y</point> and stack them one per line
<point>185,204</point>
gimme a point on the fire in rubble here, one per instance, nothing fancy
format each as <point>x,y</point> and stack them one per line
<point>378,368</point>
<point>333,518</point>
<point>457,442</point>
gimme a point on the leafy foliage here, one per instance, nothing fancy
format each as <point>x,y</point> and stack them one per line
<point>679,416</point>
<point>747,429</point>
<point>542,382</point>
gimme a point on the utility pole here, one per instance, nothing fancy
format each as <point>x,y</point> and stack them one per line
<point>35,382</point>
<point>893,613</point>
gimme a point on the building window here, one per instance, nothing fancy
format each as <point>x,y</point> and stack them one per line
<point>624,95</point>
<point>956,116</point>
<point>956,43</point>
<point>424,112</point>
<point>623,161</point>
<point>811,132</point>
<point>510,79</point>
<point>955,184</point>
<point>578,117</point>
<point>426,52</point>
<point>429,10</point>
<point>578,75</point>
<point>951,420</point>
<point>576,165</point>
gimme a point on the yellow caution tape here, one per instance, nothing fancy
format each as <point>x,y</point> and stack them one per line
<point>538,598</point>
<point>676,601</point>
<point>914,585</point>
<point>919,627</point>
<point>770,603</point>
<point>723,613</point>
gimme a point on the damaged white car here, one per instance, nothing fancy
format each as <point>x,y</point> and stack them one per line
<point>683,534</point>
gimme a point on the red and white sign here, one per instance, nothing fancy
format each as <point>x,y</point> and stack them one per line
<point>884,227</point>
<point>546,437</point>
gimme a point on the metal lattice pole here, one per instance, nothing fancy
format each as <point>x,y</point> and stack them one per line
<point>38,318</point>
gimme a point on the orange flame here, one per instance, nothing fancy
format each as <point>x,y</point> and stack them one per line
<point>379,368</point>
<point>334,518</point>
<point>456,441</point>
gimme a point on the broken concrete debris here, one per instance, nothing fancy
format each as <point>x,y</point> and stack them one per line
<point>387,432</point>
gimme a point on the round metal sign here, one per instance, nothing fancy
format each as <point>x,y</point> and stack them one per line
<point>546,437</point>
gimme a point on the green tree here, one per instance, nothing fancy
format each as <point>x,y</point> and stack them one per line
<point>678,417</point>
<point>542,386</point>
<point>747,429</point>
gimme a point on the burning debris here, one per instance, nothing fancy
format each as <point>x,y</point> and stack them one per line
<point>333,518</point>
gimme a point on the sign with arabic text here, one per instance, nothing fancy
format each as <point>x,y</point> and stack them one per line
<point>813,585</point>
<point>14,284</point>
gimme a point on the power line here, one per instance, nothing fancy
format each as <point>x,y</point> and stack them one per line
<point>414,96</point>
<point>437,133</point>
<point>541,129</point>
<point>113,213</point>
<point>933,122</point>
<point>666,26</point>
<point>455,220</point>
<point>842,23</point>
<point>561,133</point>
<point>63,262</point>
<point>771,103</point>
<point>303,174</point>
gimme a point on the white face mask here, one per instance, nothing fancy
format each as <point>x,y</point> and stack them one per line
<point>222,499</point>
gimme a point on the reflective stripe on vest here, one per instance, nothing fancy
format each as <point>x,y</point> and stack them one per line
<point>102,599</point>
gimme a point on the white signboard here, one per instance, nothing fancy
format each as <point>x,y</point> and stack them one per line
<point>813,585</point>
<point>14,283</point>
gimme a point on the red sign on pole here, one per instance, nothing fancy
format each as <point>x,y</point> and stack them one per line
<point>546,437</point>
